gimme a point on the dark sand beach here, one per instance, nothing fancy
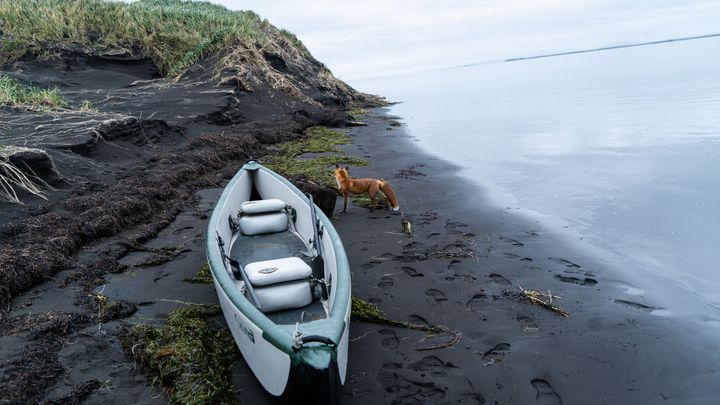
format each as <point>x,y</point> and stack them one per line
<point>462,268</point>
<point>122,235</point>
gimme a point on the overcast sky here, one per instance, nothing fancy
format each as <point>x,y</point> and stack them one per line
<point>358,39</point>
<point>370,38</point>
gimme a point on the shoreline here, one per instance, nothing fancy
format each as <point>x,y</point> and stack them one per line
<point>462,269</point>
<point>611,349</point>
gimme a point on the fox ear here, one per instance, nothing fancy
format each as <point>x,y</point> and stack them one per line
<point>337,166</point>
<point>347,168</point>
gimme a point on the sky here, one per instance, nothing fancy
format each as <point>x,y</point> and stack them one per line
<point>372,38</point>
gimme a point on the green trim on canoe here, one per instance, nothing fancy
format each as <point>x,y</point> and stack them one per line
<point>280,336</point>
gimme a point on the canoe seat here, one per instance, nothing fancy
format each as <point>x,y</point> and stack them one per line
<point>281,284</point>
<point>259,217</point>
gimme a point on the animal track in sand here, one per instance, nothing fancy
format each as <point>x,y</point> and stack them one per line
<point>436,295</point>
<point>497,353</point>
<point>566,263</point>
<point>389,339</point>
<point>498,279</point>
<point>386,282</point>
<point>454,263</point>
<point>411,272</point>
<point>574,280</point>
<point>544,393</point>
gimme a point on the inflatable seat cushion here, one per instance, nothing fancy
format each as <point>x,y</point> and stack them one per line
<point>262,206</point>
<point>277,271</point>
<point>258,224</point>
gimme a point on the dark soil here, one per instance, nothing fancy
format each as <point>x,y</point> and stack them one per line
<point>122,173</point>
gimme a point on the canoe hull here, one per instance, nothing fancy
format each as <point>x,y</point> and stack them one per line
<point>315,371</point>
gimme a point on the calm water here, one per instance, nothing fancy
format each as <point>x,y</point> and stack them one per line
<point>621,146</point>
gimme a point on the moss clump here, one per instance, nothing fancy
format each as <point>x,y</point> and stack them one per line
<point>318,169</point>
<point>366,202</point>
<point>174,33</point>
<point>189,358</point>
<point>13,93</point>
<point>201,277</point>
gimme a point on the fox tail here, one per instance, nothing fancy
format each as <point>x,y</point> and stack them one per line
<point>385,187</point>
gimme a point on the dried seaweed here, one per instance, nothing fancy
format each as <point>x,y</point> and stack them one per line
<point>544,300</point>
<point>366,312</point>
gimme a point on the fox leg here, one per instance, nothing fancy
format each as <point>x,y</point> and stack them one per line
<point>345,203</point>
<point>372,192</point>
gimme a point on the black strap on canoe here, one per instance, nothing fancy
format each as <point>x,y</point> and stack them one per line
<point>234,264</point>
<point>238,272</point>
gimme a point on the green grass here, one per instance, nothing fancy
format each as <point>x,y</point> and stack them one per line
<point>203,276</point>
<point>174,33</point>
<point>318,169</point>
<point>189,357</point>
<point>13,93</point>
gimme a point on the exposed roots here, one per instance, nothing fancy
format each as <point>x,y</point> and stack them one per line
<point>12,178</point>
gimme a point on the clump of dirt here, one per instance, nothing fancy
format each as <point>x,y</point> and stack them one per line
<point>36,368</point>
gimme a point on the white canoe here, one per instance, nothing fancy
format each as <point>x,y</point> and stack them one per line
<point>294,341</point>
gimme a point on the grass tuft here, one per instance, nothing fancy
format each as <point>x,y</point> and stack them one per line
<point>14,94</point>
<point>318,169</point>
<point>174,33</point>
<point>189,357</point>
<point>203,276</point>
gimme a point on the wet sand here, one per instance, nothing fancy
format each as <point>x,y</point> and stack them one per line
<point>462,268</point>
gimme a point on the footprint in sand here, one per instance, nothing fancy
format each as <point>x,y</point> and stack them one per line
<point>385,283</point>
<point>477,301</point>
<point>544,393</point>
<point>414,318</point>
<point>454,263</point>
<point>431,364</point>
<point>566,263</point>
<point>574,280</point>
<point>436,295</point>
<point>389,339</point>
<point>527,323</point>
<point>369,265</point>
<point>185,228</point>
<point>497,353</point>
<point>411,272</point>
<point>637,305</point>
<point>513,242</point>
<point>498,279</point>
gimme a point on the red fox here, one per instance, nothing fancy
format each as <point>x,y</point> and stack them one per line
<point>349,186</point>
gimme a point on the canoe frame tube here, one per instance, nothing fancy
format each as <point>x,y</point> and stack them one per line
<point>282,336</point>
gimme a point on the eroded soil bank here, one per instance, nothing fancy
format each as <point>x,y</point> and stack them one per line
<point>123,164</point>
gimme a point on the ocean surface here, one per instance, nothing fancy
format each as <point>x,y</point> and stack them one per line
<point>622,147</point>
